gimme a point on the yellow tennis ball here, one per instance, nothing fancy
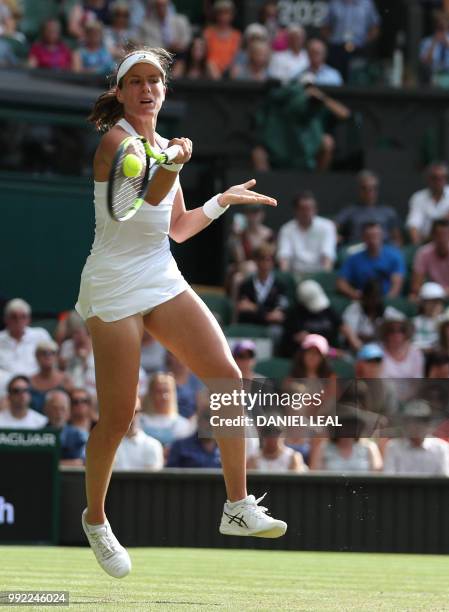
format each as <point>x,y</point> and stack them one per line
<point>132,166</point>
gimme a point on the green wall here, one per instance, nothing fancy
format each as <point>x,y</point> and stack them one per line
<point>45,235</point>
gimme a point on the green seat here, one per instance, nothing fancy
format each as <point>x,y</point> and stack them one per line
<point>403,305</point>
<point>342,367</point>
<point>48,324</point>
<point>246,330</point>
<point>35,13</point>
<point>276,367</point>
<point>327,280</point>
<point>219,305</point>
<point>290,284</point>
<point>339,302</point>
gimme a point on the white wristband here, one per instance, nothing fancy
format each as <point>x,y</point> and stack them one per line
<point>172,167</point>
<point>212,208</point>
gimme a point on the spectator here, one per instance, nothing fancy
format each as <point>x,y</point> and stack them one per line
<point>288,64</point>
<point>223,41</point>
<point>120,33</point>
<point>432,260</point>
<point>18,341</point>
<point>73,442</point>
<point>76,355</point>
<point>50,51</point>
<point>377,394</point>
<point>351,219</point>
<point>162,26</point>
<point>8,58</point>
<point>244,353</point>
<point>93,57</point>
<point>195,65</point>
<point>293,128</point>
<point>262,297</point>
<point>19,415</point>
<point>426,324</point>
<point>256,66</point>
<point>377,260</point>
<point>307,243</point>
<point>311,361</point>
<point>352,27</point>
<point>429,204</point>
<point>364,316</point>
<point>160,418</point>
<point>401,358</point>
<point>85,12</point>
<point>318,72</point>
<point>313,315</point>
<point>188,386</point>
<point>196,451</point>
<point>48,377</point>
<point>274,455</point>
<point>437,365</point>
<point>417,452</point>
<point>82,413</point>
<point>346,451</point>
<point>137,450</point>
<point>434,51</point>
<point>268,18</point>
<point>152,354</point>
<point>254,32</point>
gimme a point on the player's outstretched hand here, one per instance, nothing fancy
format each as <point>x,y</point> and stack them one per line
<point>186,149</point>
<point>241,194</point>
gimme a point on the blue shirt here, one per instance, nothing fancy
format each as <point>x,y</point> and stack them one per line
<point>351,20</point>
<point>187,394</point>
<point>99,61</point>
<point>361,267</point>
<point>190,453</point>
<point>440,56</point>
<point>325,75</point>
<point>73,442</point>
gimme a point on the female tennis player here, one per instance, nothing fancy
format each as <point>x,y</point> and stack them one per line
<point>131,283</point>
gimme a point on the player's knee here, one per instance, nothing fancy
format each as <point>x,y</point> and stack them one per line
<point>232,372</point>
<point>118,427</point>
<point>328,143</point>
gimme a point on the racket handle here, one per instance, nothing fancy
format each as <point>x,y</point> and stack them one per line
<point>172,152</point>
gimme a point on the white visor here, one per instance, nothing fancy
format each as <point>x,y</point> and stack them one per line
<point>138,58</point>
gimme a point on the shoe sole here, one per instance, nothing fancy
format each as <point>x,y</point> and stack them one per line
<point>273,532</point>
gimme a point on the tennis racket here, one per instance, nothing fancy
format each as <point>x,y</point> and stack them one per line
<point>129,177</point>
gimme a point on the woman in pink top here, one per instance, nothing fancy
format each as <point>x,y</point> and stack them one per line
<point>223,41</point>
<point>50,51</point>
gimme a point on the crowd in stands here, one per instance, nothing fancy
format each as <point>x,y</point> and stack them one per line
<point>362,297</point>
<point>90,35</point>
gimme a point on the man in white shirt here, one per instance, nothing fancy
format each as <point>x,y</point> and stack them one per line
<point>288,64</point>
<point>308,242</point>
<point>429,204</point>
<point>19,415</point>
<point>137,450</point>
<point>417,452</point>
<point>18,341</point>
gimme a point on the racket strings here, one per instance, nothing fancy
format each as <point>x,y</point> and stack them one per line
<point>126,190</point>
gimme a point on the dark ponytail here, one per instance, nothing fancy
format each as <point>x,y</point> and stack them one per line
<point>107,109</point>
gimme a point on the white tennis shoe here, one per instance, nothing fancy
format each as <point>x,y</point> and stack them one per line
<point>247,518</point>
<point>110,554</point>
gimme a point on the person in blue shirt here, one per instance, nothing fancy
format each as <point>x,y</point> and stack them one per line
<point>352,26</point>
<point>93,57</point>
<point>197,451</point>
<point>376,260</point>
<point>72,440</point>
<point>319,73</point>
<point>434,51</point>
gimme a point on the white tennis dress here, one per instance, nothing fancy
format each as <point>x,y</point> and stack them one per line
<point>130,268</point>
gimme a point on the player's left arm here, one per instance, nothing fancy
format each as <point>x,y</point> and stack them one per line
<point>187,223</point>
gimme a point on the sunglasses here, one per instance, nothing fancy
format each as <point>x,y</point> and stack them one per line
<point>80,400</point>
<point>17,390</point>
<point>46,353</point>
<point>18,315</point>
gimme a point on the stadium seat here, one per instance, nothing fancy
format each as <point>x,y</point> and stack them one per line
<point>342,367</point>
<point>403,305</point>
<point>48,324</point>
<point>246,330</point>
<point>339,302</point>
<point>289,281</point>
<point>220,305</point>
<point>276,367</point>
<point>35,12</point>
<point>327,280</point>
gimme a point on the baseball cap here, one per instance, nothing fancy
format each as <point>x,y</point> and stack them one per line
<point>370,351</point>
<point>417,409</point>
<point>311,295</point>
<point>432,291</point>
<point>316,341</point>
<point>244,346</point>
